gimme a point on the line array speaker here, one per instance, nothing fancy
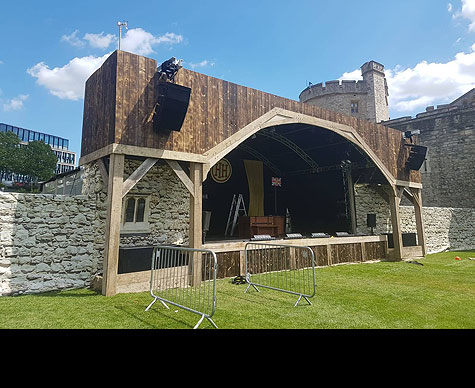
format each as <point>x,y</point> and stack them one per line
<point>417,157</point>
<point>171,107</point>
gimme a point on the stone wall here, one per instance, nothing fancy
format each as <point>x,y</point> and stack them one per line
<point>448,176</point>
<point>445,228</point>
<point>46,243</point>
<point>371,93</point>
<point>168,198</point>
<point>338,97</point>
<point>55,242</point>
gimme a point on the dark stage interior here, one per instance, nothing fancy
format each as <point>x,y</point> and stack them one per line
<point>312,163</point>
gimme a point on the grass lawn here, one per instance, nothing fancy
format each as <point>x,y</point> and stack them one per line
<point>440,294</point>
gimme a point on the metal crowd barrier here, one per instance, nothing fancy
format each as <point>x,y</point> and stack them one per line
<point>283,268</point>
<point>186,278</point>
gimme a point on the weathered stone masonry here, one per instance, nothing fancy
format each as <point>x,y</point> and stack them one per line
<point>445,228</point>
<point>448,176</point>
<point>46,242</point>
<point>54,242</point>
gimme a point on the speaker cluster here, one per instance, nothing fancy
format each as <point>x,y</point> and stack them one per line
<point>172,102</point>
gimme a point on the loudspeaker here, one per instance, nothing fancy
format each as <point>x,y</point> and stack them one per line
<point>371,220</point>
<point>171,107</point>
<point>417,156</point>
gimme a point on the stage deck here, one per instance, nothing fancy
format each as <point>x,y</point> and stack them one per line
<point>328,251</point>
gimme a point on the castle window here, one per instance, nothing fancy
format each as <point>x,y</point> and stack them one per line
<point>354,107</point>
<point>135,214</point>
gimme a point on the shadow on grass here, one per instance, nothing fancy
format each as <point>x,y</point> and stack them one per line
<point>164,313</point>
<point>66,294</point>
<point>265,296</point>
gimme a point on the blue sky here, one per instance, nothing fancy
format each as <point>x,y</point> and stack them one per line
<point>49,48</point>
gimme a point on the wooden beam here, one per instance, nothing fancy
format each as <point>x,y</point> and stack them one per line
<point>395,195</point>
<point>185,179</point>
<point>421,240</point>
<point>158,153</point>
<point>196,207</point>
<point>273,118</point>
<point>100,153</point>
<point>138,174</point>
<point>114,214</point>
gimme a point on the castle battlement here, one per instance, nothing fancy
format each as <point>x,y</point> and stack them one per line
<point>334,87</point>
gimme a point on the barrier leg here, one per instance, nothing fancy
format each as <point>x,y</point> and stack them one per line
<point>201,320</point>
<point>250,284</point>
<point>153,301</point>
<point>300,297</point>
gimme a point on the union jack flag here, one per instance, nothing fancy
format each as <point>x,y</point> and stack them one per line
<point>276,181</point>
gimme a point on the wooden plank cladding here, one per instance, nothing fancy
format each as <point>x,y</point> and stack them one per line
<point>328,252</point>
<point>120,98</point>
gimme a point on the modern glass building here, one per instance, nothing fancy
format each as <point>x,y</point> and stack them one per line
<point>66,158</point>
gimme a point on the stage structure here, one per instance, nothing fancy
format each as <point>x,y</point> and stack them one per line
<point>137,109</point>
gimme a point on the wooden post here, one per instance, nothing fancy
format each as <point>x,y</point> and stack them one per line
<point>114,214</point>
<point>395,194</point>
<point>417,201</point>
<point>196,206</point>
<point>351,199</point>
<point>242,263</point>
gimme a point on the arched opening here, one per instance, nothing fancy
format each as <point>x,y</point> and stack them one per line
<point>315,168</point>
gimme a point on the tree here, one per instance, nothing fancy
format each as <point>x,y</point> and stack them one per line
<point>9,153</point>
<point>37,160</point>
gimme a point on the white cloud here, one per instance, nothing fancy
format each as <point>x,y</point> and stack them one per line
<point>15,103</point>
<point>433,83</point>
<point>467,12</point>
<point>203,63</point>
<point>100,41</point>
<point>428,83</point>
<point>73,39</point>
<point>449,7</point>
<point>352,75</point>
<point>141,42</point>
<point>67,82</point>
<point>136,40</point>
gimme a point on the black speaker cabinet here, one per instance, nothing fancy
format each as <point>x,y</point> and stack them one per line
<point>172,105</point>
<point>371,220</point>
<point>417,157</point>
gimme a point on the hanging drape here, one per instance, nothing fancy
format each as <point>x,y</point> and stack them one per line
<point>255,179</point>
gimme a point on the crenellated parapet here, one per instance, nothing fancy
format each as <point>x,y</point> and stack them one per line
<point>334,87</point>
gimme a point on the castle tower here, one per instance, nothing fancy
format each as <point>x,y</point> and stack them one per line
<point>366,99</point>
<point>377,101</point>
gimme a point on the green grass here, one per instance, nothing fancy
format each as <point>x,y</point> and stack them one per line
<point>438,295</point>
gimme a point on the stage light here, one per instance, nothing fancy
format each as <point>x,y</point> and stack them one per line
<point>342,234</point>
<point>261,237</point>
<point>320,235</point>
<point>293,235</point>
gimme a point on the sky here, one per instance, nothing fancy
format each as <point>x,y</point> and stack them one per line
<point>48,49</point>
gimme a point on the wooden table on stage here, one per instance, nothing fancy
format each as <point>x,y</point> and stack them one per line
<point>271,225</point>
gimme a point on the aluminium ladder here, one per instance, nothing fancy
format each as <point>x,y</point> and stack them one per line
<point>236,208</point>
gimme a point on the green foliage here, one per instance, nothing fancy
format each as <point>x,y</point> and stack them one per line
<point>38,160</point>
<point>9,153</point>
<point>35,159</point>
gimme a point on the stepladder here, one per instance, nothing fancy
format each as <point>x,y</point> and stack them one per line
<point>237,206</point>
